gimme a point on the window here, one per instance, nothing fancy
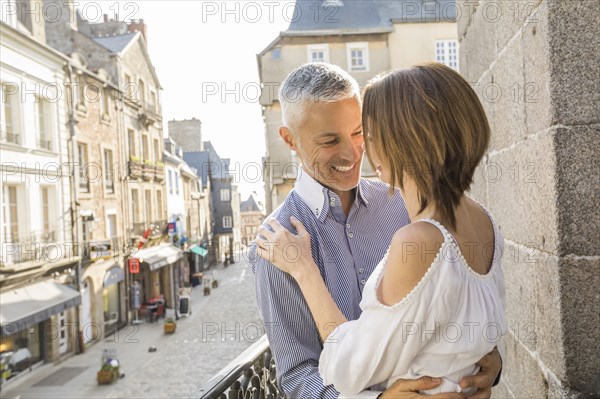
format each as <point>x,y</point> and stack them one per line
<point>10,215</point>
<point>111,225</point>
<point>170,181</point>
<point>159,204</point>
<point>318,53</point>
<point>86,230</point>
<point>227,222</point>
<point>45,210</point>
<point>8,114</point>
<point>225,196</point>
<point>105,105</point>
<point>148,206</point>
<point>43,119</point>
<point>128,89</point>
<point>135,208</point>
<point>79,91</point>
<point>358,56</point>
<point>157,154</point>
<point>446,52</point>
<point>109,181</point>
<point>176,183</point>
<point>131,139</point>
<point>276,53</point>
<point>145,147</point>
<point>84,181</point>
<point>153,101</point>
<point>141,93</point>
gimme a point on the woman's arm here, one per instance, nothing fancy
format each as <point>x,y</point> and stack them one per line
<point>292,254</point>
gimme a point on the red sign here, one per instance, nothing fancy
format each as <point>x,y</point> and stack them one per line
<point>134,265</point>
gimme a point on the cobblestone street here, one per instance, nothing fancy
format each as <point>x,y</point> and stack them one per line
<point>221,326</point>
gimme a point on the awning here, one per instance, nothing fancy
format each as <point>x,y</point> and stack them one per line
<point>159,256</point>
<point>199,250</point>
<point>114,275</point>
<point>26,306</point>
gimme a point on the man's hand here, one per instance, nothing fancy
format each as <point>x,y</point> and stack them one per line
<point>408,389</point>
<point>490,364</point>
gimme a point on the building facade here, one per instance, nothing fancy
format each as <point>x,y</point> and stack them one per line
<point>363,37</point>
<point>39,262</point>
<point>252,215</point>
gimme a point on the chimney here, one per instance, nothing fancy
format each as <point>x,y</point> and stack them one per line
<point>138,25</point>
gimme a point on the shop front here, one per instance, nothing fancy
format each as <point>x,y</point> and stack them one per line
<point>154,288</point>
<point>112,295</point>
<point>38,325</point>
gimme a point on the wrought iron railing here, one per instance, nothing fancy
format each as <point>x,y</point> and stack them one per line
<point>32,247</point>
<point>252,375</point>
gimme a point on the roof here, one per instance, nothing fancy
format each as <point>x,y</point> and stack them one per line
<point>252,204</point>
<point>365,16</point>
<point>354,17</point>
<point>117,43</point>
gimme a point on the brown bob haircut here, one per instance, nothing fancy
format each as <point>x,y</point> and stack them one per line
<point>427,122</point>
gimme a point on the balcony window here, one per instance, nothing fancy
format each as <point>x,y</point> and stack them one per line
<point>159,204</point>
<point>145,147</point>
<point>176,183</point>
<point>227,222</point>
<point>9,114</point>
<point>43,123</point>
<point>157,154</point>
<point>46,209</point>
<point>358,56</point>
<point>109,181</point>
<point>135,216</point>
<point>10,214</point>
<point>446,52</point>
<point>131,141</point>
<point>84,181</point>
<point>148,206</point>
<point>141,93</point>
<point>153,103</point>
<point>170,181</point>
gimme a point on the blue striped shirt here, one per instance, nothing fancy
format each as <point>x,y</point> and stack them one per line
<point>346,249</point>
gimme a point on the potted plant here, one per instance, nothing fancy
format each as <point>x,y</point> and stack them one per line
<point>170,325</point>
<point>109,372</point>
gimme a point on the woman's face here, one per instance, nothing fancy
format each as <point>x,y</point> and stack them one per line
<point>379,162</point>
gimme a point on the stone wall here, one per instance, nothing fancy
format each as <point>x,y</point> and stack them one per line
<point>535,66</point>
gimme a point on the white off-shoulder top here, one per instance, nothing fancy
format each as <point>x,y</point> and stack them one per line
<point>449,321</point>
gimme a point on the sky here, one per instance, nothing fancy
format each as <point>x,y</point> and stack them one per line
<point>204,53</point>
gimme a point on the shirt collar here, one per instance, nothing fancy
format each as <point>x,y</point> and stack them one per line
<point>316,196</point>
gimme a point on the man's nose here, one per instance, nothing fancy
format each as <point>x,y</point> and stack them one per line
<point>351,150</point>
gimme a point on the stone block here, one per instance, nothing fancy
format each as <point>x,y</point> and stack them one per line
<point>512,15</point>
<point>506,95</point>
<point>520,267</point>
<point>574,42</point>
<point>522,373</point>
<point>478,49</point>
<point>548,329</point>
<point>501,391</point>
<point>521,191</point>
<point>536,88</point>
<point>465,11</point>
<point>578,188</point>
<point>580,279</point>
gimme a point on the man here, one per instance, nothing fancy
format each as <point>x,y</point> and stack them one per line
<point>351,222</point>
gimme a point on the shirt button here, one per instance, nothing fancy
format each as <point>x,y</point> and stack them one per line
<point>332,203</point>
<point>361,270</point>
<point>350,235</point>
<point>363,281</point>
<point>348,225</point>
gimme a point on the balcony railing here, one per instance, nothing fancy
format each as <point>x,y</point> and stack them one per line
<point>32,247</point>
<point>251,375</point>
<point>45,144</point>
<point>13,138</point>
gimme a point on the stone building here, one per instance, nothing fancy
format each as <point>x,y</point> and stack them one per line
<point>535,66</point>
<point>39,258</point>
<point>252,215</point>
<point>364,37</point>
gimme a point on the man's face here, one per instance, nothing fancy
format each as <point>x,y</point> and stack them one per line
<point>330,144</point>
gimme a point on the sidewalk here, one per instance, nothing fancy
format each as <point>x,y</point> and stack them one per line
<point>203,344</point>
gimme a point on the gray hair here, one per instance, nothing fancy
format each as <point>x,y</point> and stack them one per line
<point>314,82</point>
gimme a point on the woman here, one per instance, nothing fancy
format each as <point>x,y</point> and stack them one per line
<point>435,304</point>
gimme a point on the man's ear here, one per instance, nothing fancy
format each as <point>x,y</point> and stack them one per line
<point>288,138</point>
